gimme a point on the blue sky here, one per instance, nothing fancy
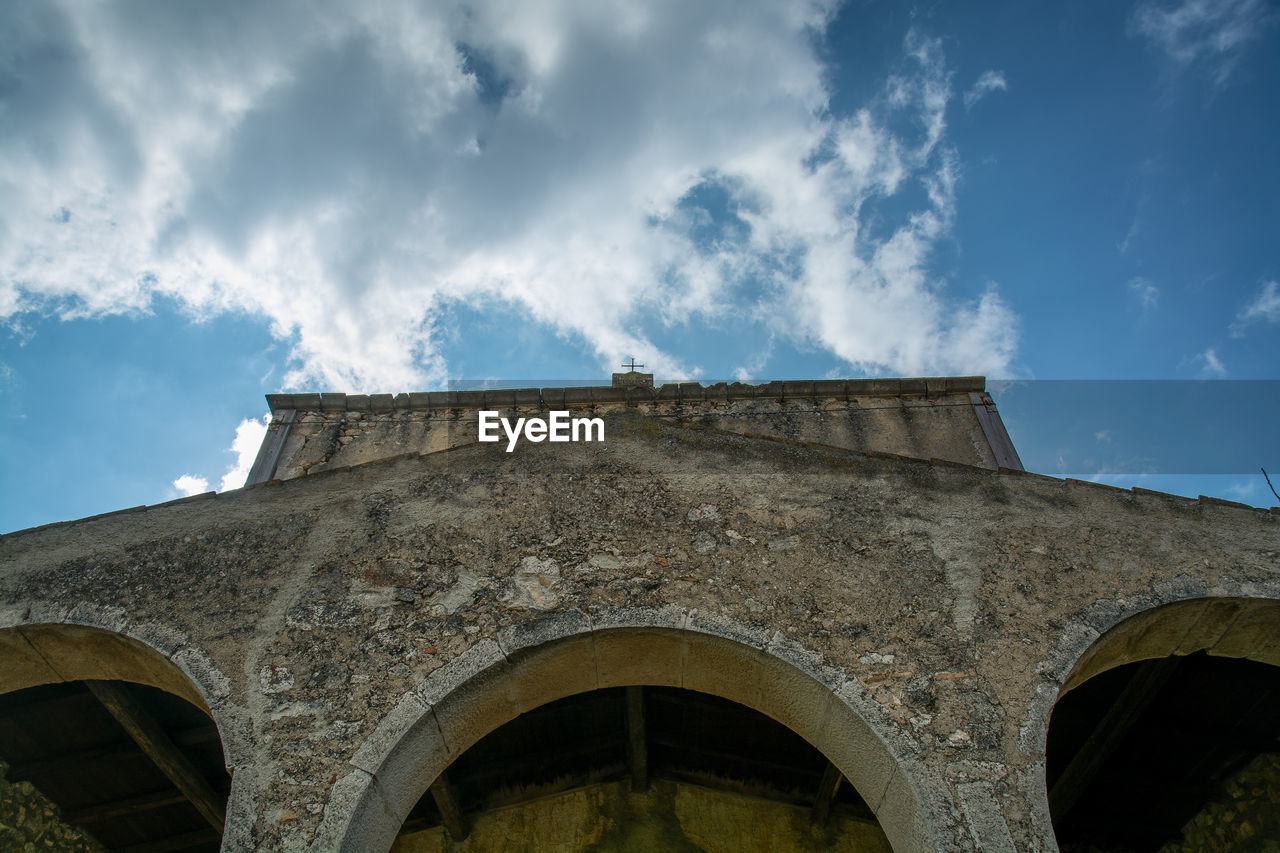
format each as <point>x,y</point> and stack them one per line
<point>203,203</point>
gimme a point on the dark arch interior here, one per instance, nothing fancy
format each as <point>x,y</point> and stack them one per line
<point>1181,751</point>
<point>599,736</point>
<point>114,779</point>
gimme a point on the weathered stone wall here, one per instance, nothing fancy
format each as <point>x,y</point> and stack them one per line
<point>1243,816</point>
<point>944,604</point>
<point>30,823</point>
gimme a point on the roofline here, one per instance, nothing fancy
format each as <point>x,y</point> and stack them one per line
<point>933,386</point>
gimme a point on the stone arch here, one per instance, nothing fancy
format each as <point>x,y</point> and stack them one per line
<point>493,682</point>
<point>50,653</point>
<point>1222,627</point>
<point>34,654</point>
<point>1244,623</point>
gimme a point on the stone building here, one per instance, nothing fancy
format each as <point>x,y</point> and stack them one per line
<point>819,615</point>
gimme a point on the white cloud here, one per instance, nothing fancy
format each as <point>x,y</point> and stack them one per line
<point>191,485</point>
<point>350,171</point>
<point>1134,228</point>
<point>1265,307</point>
<point>1148,294</point>
<point>1249,492</point>
<point>249,435</point>
<point>1211,367</point>
<point>248,439</point>
<point>987,82</point>
<point>1211,33</point>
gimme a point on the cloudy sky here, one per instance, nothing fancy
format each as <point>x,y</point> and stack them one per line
<point>204,202</point>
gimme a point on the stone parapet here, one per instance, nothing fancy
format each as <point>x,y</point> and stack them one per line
<point>946,418</point>
<point>821,389</point>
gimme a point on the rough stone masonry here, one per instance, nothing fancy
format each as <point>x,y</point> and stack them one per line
<point>393,588</point>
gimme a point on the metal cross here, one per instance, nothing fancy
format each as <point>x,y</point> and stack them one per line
<point>632,366</point>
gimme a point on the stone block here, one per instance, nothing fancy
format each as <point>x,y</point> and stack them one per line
<point>498,398</point>
<point>667,616</point>
<point>353,817</point>
<point>874,387</point>
<point>12,615</point>
<point>214,686</point>
<point>1206,622</point>
<point>237,835</point>
<point>392,730</point>
<point>107,617</point>
<point>630,656</point>
<point>476,707</point>
<point>913,387</point>
<point>902,817</point>
<point>795,699</point>
<point>769,390</point>
<point>1253,634</point>
<point>849,743</point>
<point>483,655</point>
<point>545,673</point>
<point>612,395</point>
<point>982,811</point>
<point>23,665</point>
<point>442,399</point>
<point>717,624</point>
<point>637,394</point>
<point>802,389</point>
<point>723,668</point>
<point>833,388</point>
<point>544,628</point>
<point>1034,733</point>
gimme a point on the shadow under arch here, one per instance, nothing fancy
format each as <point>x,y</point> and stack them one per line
<point>1239,627</point>
<point>489,685</point>
<point>45,654</point>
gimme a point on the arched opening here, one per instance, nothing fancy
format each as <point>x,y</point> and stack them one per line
<point>489,686</point>
<point>1166,735</point>
<point>642,768</point>
<point>106,745</point>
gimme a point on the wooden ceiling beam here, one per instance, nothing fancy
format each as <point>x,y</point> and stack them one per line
<point>450,812</point>
<point>537,759</point>
<point>827,790</point>
<point>122,807</point>
<point>743,760</point>
<point>1110,731</point>
<point>74,760</point>
<point>153,741</point>
<point>637,745</point>
<point>172,844</point>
